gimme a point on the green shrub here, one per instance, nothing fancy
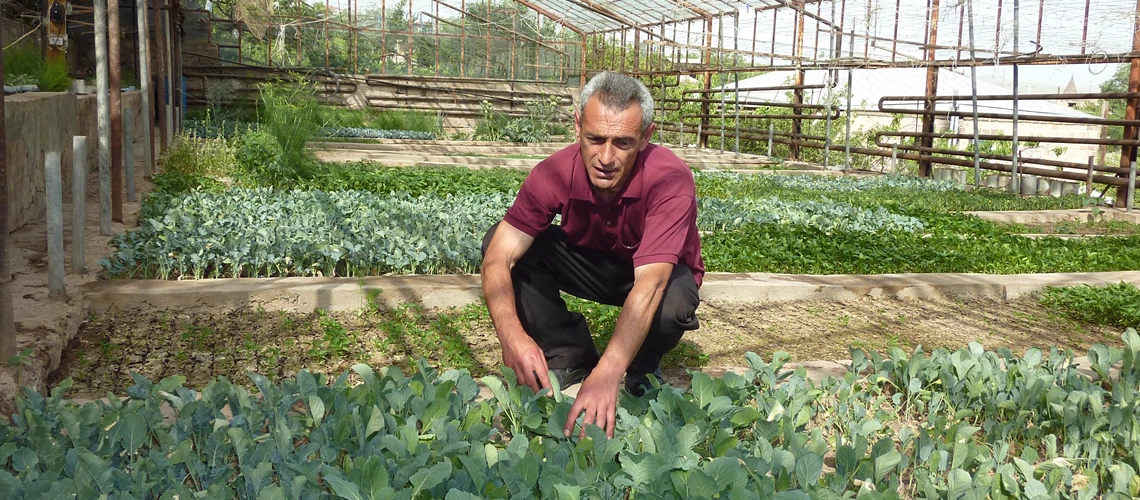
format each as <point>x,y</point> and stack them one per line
<point>53,76</point>
<point>543,121</point>
<point>1114,305</point>
<point>23,60</point>
<point>176,184</point>
<point>291,116</point>
<point>259,157</point>
<point>50,76</point>
<point>191,156</point>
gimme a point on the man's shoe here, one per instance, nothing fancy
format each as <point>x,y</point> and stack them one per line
<point>638,385</point>
<point>574,374</point>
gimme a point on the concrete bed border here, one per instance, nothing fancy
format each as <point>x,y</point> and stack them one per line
<point>441,291</point>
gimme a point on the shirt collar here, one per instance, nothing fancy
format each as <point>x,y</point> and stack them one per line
<point>580,188</point>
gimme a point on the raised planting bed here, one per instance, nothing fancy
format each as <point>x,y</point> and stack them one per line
<point>367,220</point>
<point>968,423</point>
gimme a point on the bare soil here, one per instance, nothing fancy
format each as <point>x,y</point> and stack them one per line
<point>203,345</point>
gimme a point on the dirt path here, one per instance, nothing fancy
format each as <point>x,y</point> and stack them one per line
<point>204,345</point>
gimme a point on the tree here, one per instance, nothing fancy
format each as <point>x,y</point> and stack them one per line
<point>1118,83</point>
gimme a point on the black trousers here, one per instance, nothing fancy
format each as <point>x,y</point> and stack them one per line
<point>552,265</point>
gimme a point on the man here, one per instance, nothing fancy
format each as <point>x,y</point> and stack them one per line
<point>628,237</point>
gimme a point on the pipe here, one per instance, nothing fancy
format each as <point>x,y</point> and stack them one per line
<point>996,157</point>
<point>1016,184</point>
<point>1032,118</point>
<point>974,95</point>
<point>1034,138</point>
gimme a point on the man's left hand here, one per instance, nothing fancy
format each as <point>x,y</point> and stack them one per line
<point>598,399</point>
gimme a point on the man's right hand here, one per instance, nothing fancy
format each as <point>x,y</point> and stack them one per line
<point>526,358</point>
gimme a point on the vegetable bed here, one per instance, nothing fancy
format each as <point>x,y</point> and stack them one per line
<point>363,219</point>
<point>964,425</point>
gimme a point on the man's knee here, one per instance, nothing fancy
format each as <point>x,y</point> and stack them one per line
<point>487,237</point>
<point>679,304</point>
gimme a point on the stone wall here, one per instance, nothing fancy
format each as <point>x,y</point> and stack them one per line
<point>46,121</point>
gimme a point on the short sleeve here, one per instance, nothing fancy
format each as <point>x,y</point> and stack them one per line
<point>667,227</point>
<point>536,203</point>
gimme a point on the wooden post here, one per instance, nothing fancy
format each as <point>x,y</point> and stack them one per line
<point>7,322</point>
<point>53,191</point>
<point>79,204</point>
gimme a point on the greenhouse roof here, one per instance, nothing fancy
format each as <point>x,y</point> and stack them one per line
<point>593,16</point>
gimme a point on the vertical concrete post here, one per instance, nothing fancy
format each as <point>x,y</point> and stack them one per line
<point>129,153</point>
<point>771,133</point>
<point>79,204</point>
<point>104,117</point>
<point>144,80</point>
<point>53,190</point>
<point>1089,181</point>
<point>1131,187</point>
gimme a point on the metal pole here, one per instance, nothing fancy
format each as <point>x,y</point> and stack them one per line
<point>7,322</point>
<point>1132,105</point>
<point>1016,182</point>
<point>144,80</point>
<point>114,50</point>
<point>720,64</point>
<point>895,158</point>
<point>53,191</point>
<point>168,54</point>
<point>161,94</point>
<point>974,95</point>
<point>925,167</point>
<point>78,204</point>
<point>103,102</point>
<point>129,154</point>
<point>736,80</point>
<point>830,85</point>
<point>850,90</point>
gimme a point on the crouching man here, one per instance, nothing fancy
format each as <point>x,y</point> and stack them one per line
<point>628,238</point>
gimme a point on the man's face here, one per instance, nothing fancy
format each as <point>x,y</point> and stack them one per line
<point>610,141</point>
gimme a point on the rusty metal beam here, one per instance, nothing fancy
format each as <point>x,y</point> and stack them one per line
<point>1132,107</point>
<point>7,320</point>
<point>925,168</point>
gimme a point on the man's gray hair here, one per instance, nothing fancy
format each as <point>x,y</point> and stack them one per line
<point>617,92</point>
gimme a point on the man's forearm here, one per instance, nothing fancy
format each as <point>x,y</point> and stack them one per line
<point>632,326</point>
<point>499,294</point>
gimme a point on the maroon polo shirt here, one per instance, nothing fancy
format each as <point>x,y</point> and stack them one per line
<point>653,220</point>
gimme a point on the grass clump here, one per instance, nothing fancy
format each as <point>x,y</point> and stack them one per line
<point>381,119</point>
<point>50,76</point>
<point>1114,305</point>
